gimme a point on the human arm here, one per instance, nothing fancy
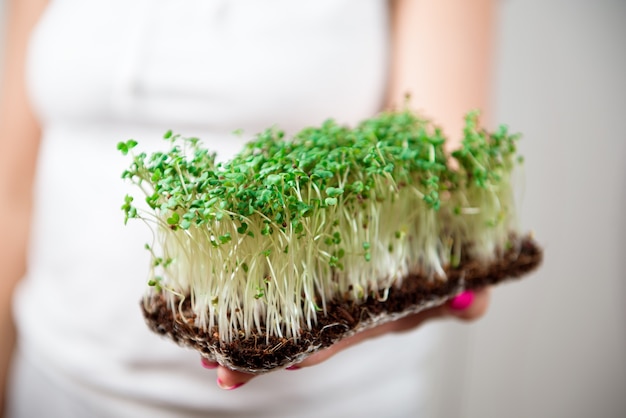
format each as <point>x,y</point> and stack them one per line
<point>19,141</point>
<point>441,56</point>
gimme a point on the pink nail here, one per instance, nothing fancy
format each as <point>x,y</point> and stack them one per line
<point>462,301</point>
<point>207,364</point>
<point>223,386</point>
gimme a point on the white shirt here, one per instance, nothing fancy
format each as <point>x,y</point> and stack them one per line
<point>100,72</point>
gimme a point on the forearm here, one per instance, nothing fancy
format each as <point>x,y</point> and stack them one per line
<point>11,271</point>
<point>14,224</point>
<point>441,56</point>
<point>19,142</point>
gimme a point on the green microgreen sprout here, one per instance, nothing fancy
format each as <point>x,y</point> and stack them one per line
<point>262,243</point>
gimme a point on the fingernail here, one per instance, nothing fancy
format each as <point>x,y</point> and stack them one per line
<point>223,386</point>
<point>462,301</point>
<point>294,367</point>
<point>207,364</point>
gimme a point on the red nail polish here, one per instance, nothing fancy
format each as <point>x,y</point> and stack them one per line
<point>207,364</point>
<point>462,301</point>
<point>294,367</point>
<point>223,386</point>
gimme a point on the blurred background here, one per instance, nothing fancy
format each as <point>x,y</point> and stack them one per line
<point>554,344</point>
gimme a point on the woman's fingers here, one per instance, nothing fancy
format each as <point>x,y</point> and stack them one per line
<point>226,379</point>
<point>467,306</point>
<point>230,379</point>
<point>208,364</point>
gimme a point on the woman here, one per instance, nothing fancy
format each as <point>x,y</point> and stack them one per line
<point>81,76</point>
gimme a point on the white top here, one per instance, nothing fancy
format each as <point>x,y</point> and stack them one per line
<point>106,71</point>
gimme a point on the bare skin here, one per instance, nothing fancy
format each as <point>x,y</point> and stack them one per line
<point>230,379</point>
<point>445,78</point>
<point>19,142</point>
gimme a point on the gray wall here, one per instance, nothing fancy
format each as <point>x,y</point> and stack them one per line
<point>554,344</point>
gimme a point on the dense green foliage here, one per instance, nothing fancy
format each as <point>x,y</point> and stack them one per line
<point>264,240</point>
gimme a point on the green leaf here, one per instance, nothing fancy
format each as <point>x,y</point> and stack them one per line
<point>334,191</point>
<point>225,238</point>
<point>242,228</point>
<point>357,187</point>
<point>323,174</point>
<point>173,219</point>
<point>273,179</point>
<point>125,147</point>
<point>298,227</point>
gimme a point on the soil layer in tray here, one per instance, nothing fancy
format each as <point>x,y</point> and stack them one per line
<point>258,354</point>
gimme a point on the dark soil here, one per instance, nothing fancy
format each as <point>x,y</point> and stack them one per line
<point>255,355</point>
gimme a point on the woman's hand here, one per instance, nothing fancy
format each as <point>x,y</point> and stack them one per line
<point>441,56</point>
<point>467,306</point>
